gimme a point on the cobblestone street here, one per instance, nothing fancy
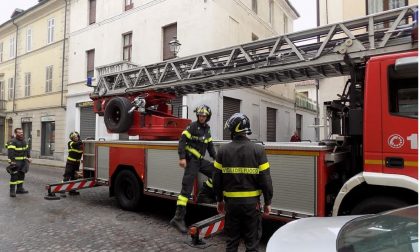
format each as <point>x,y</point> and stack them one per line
<point>90,222</point>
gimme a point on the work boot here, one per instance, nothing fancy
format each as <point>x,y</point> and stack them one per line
<point>20,189</point>
<point>178,220</point>
<point>74,193</point>
<point>63,194</point>
<point>12,191</point>
<point>206,195</point>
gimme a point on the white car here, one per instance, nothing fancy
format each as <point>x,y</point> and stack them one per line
<point>392,231</point>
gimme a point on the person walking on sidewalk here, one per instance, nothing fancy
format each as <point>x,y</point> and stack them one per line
<point>75,148</point>
<point>193,144</point>
<point>19,159</point>
<point>242,175</point>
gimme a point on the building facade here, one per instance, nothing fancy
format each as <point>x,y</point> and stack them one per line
<point>32,77</point>
<point>130,30</point>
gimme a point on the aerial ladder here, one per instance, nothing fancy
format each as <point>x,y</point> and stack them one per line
<point>136,99</point>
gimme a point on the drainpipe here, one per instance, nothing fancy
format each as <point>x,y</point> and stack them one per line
<point>318,23</point>
<point>64,54</point>
<point>16,56</point>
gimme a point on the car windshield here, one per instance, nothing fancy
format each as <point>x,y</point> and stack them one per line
<point>393,231</point>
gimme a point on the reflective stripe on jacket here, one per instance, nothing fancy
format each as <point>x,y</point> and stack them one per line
<point>18,150</point>
<point>195,140</point>
<point>75,151</point>
<point>242,172</point>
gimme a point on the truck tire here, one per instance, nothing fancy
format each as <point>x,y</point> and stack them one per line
<point>128,190</point>
<point>116,117</point>
<point>377,204</point>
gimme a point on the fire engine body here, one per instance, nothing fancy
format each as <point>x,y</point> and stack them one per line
<point>370,166</point>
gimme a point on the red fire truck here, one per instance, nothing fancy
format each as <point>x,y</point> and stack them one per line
<point>370,166</point>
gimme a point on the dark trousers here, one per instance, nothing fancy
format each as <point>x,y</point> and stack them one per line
<point>242,221</point>
<point>70,171</point>
<point>193,167</point>
<point>17,178</point>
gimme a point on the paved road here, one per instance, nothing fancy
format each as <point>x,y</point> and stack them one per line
<point>91,221</point>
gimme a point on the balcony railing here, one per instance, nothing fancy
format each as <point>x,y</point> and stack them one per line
<point>302,101</point>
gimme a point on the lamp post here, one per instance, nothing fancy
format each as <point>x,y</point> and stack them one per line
<point>174,46</point>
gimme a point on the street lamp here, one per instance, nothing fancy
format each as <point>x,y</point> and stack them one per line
<point>174,46</point>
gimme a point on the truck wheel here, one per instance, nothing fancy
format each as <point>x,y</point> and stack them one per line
<point>128,190</point>
<point>116,117</point>
<point>377,204</point>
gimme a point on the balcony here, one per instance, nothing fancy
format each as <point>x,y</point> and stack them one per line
<point>301,101</point>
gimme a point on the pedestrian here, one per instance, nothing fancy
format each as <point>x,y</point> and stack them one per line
<point>295,137</point>
<point>75,148</point>
<point>194,142</point>
<point>19,159</point>
<point>242,175</point>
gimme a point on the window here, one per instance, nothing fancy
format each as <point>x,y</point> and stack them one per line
<point>90,69</point>
<point>169,32</point>
<point>271,11</point>
<point>299,124</point>
<point>375,6</point>
<point>92,11</point>
<point>285,24</point>
<point>271,124</point>
<point>1,52</point>
<point>127,38</point>
<point>29,40</point>
<point>128,4</point>
<point>27,84</point>
<point>403,95</point>
<point>48,78</point>
<point>12,47</point>
<point>2,91</point>
<point>51,24</point>
<point>11,86</point>
<point>255,6</point>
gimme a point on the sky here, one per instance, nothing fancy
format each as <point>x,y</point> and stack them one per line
<point>306,9</point>
<point>8,6</point>
<point>307,12</point>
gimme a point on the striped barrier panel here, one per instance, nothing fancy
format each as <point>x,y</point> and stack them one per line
<point>206,228</point>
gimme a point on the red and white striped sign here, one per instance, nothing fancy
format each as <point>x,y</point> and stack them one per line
<point>212,229</point>
<point>68,186</point>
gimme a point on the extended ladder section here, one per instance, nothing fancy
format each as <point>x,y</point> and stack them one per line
<point>318,53</point>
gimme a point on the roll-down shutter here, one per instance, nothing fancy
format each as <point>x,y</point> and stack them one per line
<point>230,107</point>
<point>87,122</point>
<point>271,124</point>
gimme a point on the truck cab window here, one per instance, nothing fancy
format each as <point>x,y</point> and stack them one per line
<point>403,92</point>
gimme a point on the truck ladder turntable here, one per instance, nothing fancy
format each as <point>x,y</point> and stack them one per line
<point>318,53</point>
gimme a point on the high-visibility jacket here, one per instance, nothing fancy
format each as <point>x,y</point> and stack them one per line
<point>195,140</point>
<point>242,172</point>
<point>75,151</point>
<point>18,150</point>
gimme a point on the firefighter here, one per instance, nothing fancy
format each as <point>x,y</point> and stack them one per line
<point>242,174</point>
<point>73,160</point>
<point>194,142</point>
<point>19,159</point>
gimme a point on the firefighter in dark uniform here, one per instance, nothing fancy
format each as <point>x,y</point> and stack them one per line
<point>194,142</point>
<point>19,159</point>
<point>242,175</point>
<point>75,148</point>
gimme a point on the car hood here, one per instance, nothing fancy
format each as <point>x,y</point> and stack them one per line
<point>309,234</point>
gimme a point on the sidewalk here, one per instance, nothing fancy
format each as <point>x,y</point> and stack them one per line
<point>44,162</point>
